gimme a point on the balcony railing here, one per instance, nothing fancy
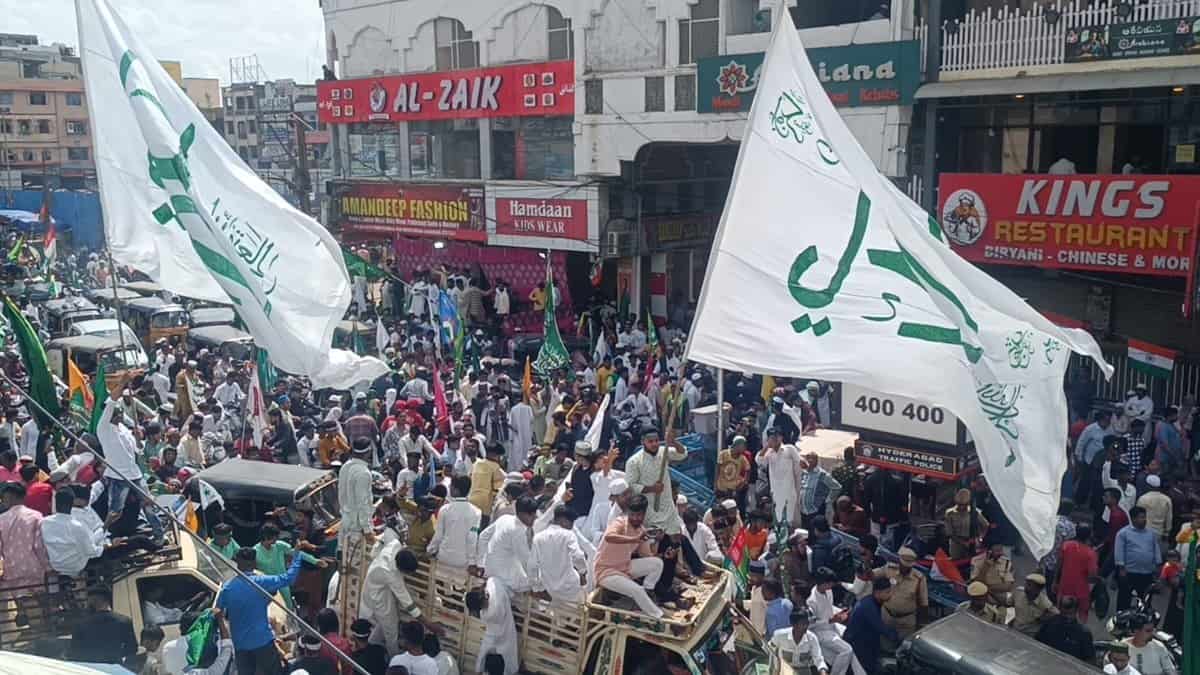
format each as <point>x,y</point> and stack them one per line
<point>1014,38</point>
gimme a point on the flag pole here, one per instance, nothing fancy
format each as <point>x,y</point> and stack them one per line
<point>720,416</point>
<point>112,274</point>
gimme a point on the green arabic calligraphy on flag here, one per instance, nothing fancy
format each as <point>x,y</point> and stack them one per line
<point>823,268</point>
<point>182,207</point>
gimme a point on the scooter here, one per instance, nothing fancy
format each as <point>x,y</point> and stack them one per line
<point>1123,624</point>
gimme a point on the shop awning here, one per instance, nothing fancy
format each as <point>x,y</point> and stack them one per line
<point>1007,86</point>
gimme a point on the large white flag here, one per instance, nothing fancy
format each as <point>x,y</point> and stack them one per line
<point>181,206</point>
<point>823,268</point>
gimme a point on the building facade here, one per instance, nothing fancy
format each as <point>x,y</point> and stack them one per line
<point>606,128</point>
<point>1061,140</point>
<point>44,132</point>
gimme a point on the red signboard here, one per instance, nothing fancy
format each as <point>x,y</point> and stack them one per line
<point>527,89</point>
<point>561,218</point>
<point>1128,223</point>
<point>386,210</point>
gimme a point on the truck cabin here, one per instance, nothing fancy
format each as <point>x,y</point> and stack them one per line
<point>252,490</point>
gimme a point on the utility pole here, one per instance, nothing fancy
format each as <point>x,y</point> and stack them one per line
<point>301,177</point>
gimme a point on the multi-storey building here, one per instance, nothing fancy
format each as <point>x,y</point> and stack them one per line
<point>599,127</point>
<point>44,133</point>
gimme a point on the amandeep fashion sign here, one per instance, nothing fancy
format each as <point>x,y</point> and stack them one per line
<point>884,73</point>
<point>528,89</point>
<point>1127,223</point>
<point>561,218</point>
<point>386,210</point>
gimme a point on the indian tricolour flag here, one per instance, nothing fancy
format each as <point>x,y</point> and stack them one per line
<point>1151,359</point>
<point>738,563</point>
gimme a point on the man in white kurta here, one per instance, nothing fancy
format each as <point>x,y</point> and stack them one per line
<point>385,599</point>
<point>456,533</point>
<point>784,464</point>
<point>837,651</point>
<point>646,473</point>
<point>499,629</point>
<point>558,562</point>
<point>520,420</point>
<point>505,546</point>
<point>1141,407</point>
<point>355,497</point>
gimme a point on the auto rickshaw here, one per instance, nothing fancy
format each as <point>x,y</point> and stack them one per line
<point>252,489</point>
<point>962,644</point>
<point>224,340</point>
<point>152,318</point>
<point>108,295</point>
<point>60,313</point>
<point>214,315</point>
<point>90,351</point>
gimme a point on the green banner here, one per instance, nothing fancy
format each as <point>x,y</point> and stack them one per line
<point>883,73</point>
<point>1137,39</point>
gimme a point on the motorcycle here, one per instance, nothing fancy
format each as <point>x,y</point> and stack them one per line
<point>1124,624</point>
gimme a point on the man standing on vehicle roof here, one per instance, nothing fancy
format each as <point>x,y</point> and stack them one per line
<point>647,473</point>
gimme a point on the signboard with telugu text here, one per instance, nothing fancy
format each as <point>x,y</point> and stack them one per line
<point>1136,224</point>
<point>1135,39</point>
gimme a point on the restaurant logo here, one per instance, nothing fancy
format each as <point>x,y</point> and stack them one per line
<point>378,98</point>
<point>964,217</point>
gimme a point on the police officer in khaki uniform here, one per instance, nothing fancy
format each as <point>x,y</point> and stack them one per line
<point>1031,606</point>
<point>979,605</point>
<point>909,603</point>
<point>996,572</point>
<point>965,525</point>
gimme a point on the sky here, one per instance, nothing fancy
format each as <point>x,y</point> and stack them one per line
<point>286,35</point>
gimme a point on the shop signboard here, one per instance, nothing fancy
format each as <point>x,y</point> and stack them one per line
<point>527,89</point>
<point>387,210</point>
<point>1135,224</point>
<point>882,73</point>
<point>559,218</point>
<point>1135,39</point>
<point>678,231</point>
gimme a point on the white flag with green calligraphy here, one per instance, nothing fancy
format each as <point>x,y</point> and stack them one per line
<point>182,207</point>
<point>822,268</point>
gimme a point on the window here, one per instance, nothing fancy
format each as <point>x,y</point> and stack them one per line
<point>655,94</point>
<point>593,97</point>
<point>229,129</point>
<point>816,13</point>
<point>77,154</point>
<point>6,98</point>
<point>242,152</point>
<point>11,156</point>
<point>685,92</point>
<point>43,126</point>
<point>241,129</point>
<point>454,48</point>
<point>37,98</point>
<point>241,103</point>
<point>745,17</point>
<point>254,152</point>
<point>27,155</point>
<point>533,148</point>
<point>698,35</point>
<point>559,36</point>
<point>75,100</point>
<point>444,149</point>
<point>47,155</point>
<point>24,128</point>
<point>30,69</point>
<point>375,150</point>
<point>5,126</point>
<point>76,128</point>
<point>252,127</point>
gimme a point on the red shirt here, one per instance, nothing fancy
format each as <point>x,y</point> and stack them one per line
<point>1117,518</point>
<point>39,497</point>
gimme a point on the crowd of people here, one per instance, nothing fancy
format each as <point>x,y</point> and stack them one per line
<point>557,486</point>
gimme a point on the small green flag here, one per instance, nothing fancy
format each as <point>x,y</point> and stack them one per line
<point>200,637</point>
<point>33,355</point>
<point>99,397</point>
<point>14,254</point>
<point>553,354</point>
<point>357,266</point>
<point>651,333</point>
<point>267,374</point>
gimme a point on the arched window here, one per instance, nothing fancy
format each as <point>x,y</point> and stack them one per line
<point>558,31</point>
<point>455,47</point>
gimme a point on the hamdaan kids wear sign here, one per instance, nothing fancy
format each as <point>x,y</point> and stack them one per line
<point>885,73</point>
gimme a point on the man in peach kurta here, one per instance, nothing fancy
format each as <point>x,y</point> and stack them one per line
<point>22,551</point>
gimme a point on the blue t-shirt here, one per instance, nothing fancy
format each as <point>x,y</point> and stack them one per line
<point>779,615</point>
<point>246,607</point>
